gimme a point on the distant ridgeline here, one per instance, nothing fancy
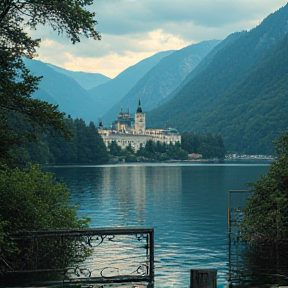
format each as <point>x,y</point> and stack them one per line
<point>127,131</point>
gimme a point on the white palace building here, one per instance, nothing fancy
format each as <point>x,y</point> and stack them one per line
<point>127,130</point>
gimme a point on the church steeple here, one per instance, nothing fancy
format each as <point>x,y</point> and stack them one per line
<point>140,119</point>
<point>139,109</point>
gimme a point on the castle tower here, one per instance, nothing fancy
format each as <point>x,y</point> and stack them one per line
<point>140,120</point>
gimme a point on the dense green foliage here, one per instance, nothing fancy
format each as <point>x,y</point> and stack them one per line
<point>85,146</point>
<point>242,93</point>
<point>151,152</point>
<point>161,151</point>
<point>36,200</point>
<point>31,200</point>
<point>70,17</point>
<point>209,146</point>
<point>266,213</point>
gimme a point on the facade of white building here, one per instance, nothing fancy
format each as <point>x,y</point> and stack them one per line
<point>129,131</point>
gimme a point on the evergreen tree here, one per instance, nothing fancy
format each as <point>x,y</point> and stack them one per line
<point>209,146</point>
<point>114,149</point>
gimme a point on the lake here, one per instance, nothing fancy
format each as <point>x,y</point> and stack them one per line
<point>186,204</point>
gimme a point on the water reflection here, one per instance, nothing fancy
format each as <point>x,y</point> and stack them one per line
<point>186,204</point>
<point>127,187</point>
<point>250,265</point>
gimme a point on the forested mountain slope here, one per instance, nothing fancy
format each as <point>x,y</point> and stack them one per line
<point>206,93</point>
<point>255,112</point>
<point>162,79</point>
<point>204,63</point>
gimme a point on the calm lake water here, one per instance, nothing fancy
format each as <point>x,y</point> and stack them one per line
<point>186,204</point>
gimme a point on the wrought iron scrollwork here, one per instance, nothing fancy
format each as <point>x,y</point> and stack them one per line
<point>142,269</point>
<point>141,237</point>
<point>79,272</point>
<point>111,270</point>
<point>83,254</point>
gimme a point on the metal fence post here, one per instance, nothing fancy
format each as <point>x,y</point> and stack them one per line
<point>151,260</point>
<point>203,278</point>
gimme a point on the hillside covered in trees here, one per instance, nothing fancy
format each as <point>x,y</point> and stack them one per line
<point>85,146</point>
<point>241,93</point>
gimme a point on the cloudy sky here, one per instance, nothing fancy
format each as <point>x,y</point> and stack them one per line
<point>136,29</point>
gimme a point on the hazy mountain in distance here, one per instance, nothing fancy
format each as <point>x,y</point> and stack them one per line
<point>57,88</point>
<point>106,95</point>
<point>204,63</point>
<point>200,104</point>
<point>85,79</point>
<point>162,79</point>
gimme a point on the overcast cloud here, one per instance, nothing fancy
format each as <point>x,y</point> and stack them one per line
<point>135,29</point>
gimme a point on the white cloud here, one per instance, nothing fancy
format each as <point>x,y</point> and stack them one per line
<point>134,29</point>
<point>112,63</point>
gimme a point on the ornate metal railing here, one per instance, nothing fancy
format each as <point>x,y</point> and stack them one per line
<point>88,256</point>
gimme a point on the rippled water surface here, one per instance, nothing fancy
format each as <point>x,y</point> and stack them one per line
<point>185,204</point>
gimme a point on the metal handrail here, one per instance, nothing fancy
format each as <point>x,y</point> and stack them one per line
<point>87,236</point>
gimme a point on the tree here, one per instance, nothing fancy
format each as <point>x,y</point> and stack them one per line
<point>99,154</point>
<point>128,153</point>
<point>69,16</point>
<point>190,142</point>
<point>85,146</point>
<point>31,200</point>
<point>209,146</point>
<point>114,149</point>
<point>16,84</point>
<point>22,117</point>
<point>266,213</point>
<point>38,201</point>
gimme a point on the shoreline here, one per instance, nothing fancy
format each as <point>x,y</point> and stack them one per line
<point>191,161</point>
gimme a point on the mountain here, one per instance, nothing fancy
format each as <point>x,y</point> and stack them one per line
<point>57,88</point>
<point>162,79</point>
<point>86,80</point>
<point>201,105</point>
<point>60,86</point>
<point>256,108</point>
<point>106,95</point>
<point>204,63</point>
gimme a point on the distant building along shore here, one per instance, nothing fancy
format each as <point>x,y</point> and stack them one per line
<point>127,131</point>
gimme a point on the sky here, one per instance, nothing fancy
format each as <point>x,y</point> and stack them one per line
<point>136,29</point>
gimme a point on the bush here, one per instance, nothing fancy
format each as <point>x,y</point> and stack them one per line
<point>266,213</point>
<point>32,200</point>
